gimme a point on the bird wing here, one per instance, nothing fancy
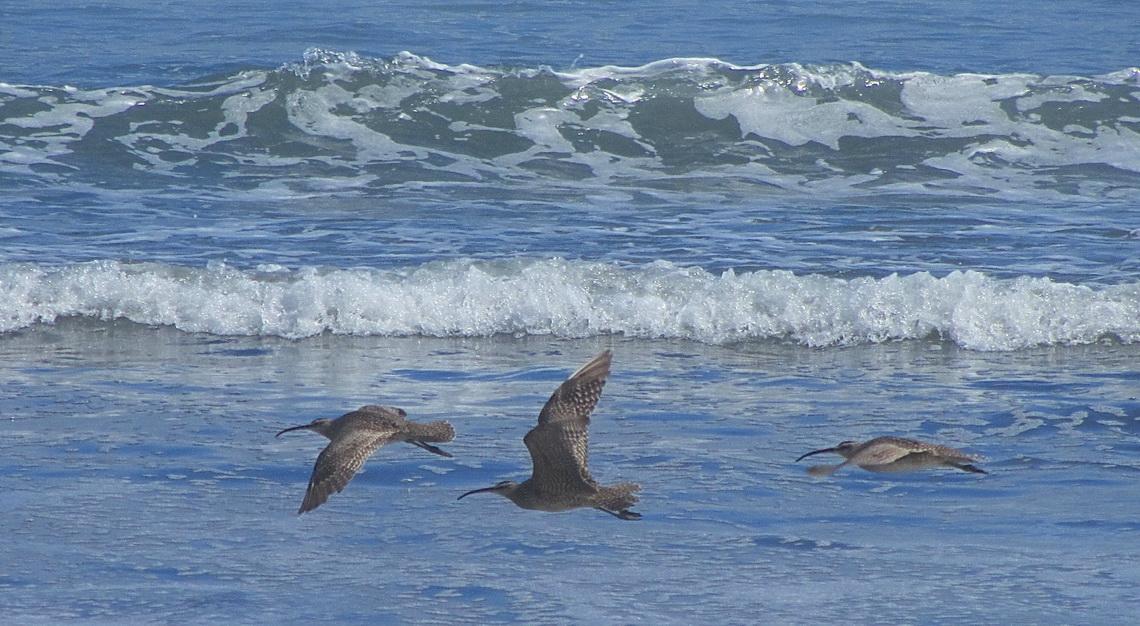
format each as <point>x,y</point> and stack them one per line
<point>903,447</point>
<point>377,416</point>
<point>559,445</point>
<point>950,454</point>
<point>576,398</point>
<point>337,464</point>
<point>560,454</point>
<point>883,453</point>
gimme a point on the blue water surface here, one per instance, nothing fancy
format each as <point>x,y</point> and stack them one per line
<point>123,43</point>
<point>221,219</point>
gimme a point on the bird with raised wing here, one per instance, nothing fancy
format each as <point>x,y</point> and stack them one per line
<point>559,451</point>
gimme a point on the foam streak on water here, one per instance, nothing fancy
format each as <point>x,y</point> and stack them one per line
<point>576,299</point>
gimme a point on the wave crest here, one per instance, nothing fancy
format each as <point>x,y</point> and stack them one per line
<point>576,299</point>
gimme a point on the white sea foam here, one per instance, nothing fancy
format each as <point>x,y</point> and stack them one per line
<point>576,299</point>
<point>340,121</point>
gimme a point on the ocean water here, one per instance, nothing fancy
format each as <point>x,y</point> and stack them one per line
<point>793,223</point>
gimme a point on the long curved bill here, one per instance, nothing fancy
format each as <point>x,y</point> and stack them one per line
<point>824,451</point>
<point>302,427</point>
<point>483,490</point>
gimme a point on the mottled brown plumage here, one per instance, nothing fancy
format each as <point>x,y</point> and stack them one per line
<point>559,451</point>
<point>354,437</point>
<point>894,454</point>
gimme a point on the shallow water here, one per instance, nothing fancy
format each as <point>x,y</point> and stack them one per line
<point>169,496</point>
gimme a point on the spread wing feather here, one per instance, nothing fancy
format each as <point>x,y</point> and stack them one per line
<point>559,445</point>
<point>883,450</point>
<point>882,454</point>
<point>560,455</point>
<point>576,398</point>
<point>337,464</point>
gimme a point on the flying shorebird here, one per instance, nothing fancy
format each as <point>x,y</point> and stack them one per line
<point>354,437</point>
<point>558,447</point>
<point>894,454</point>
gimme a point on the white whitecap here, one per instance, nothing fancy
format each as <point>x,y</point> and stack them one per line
<point>576,299</point>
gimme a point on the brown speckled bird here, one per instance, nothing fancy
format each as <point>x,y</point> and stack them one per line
<point>894,454</point>
<point>354,437</point>
<point>560,480</point>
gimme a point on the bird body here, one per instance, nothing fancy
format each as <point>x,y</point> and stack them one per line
<point>354,437</point>
<point>559,450</point>
<point>894,454</point>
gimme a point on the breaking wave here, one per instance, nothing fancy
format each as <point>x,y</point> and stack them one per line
<point>575,299</point>
<point>346,124</point>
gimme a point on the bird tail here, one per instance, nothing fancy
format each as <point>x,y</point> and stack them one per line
<point>617,498</point>
<point>419,434</point>
<point>435,432</point>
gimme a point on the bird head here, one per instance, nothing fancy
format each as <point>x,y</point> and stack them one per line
<point>843,449</point>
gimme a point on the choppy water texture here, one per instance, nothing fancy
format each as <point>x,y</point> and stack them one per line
<point>794,224</point>
<point>348,123</point>
<point>145,482</point>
